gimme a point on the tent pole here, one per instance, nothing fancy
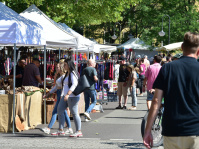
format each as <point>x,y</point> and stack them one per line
<point>14,77</point>
<point>45,83</point>
<point>59,53</point>
<point>77,59</point>
<point>88,53</point>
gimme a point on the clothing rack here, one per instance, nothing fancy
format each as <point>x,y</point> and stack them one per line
<point>82,61</point>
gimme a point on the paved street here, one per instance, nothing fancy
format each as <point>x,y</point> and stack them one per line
<point>111,129</point>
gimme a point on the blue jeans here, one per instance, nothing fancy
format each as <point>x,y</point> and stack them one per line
<point>73,106</point>
<point>87,95</point>
<point>149,96</point>
<point>134,98</point>
<point>54,114</point>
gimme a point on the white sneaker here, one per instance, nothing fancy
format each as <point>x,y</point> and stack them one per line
<point>69,131</point>
<point>86,119</point>
<point>58,133</point>
<point>87,115</point>
<point>77,134</point>
<point>46,130</point>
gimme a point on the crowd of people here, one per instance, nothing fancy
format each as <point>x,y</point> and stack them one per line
<point>168,77</point>
<point>138,77</point>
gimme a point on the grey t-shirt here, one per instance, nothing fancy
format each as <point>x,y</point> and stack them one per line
<point>30,71</point>
<point>90,72</point>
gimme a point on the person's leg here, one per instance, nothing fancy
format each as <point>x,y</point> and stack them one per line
<point>86,99</point>
<point>119,94</point>
<point>61,108</point>
<point>149,99</point>
<point>134,98</point>
<point>73,106</point>
<point>125,95</point>
<point>67,118</point>
<point>54,113</point>
<point>92,94</point>
<point>184,142</point>
<point>141,86</point>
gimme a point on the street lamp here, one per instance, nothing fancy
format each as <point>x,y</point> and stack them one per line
<point>162,33</point>
<point>114,36</point>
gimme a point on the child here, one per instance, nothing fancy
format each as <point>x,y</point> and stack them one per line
<point>132,85</point>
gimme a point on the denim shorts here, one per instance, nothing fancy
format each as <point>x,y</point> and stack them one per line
<point>149,96</point>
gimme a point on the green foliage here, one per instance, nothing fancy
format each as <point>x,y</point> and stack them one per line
<point>143,17</point>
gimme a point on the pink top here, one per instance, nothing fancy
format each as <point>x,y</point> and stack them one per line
<point>151,74</point>
<point>144,69</point>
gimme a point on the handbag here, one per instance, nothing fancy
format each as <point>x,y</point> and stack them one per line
<point>82,85</point>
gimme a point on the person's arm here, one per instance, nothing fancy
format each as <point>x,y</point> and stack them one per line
<point>141,69</point>
<point>95,76</point>
<point>156,103</point>
<point>54,89</point>
<point>74,81</point>
<point>133,81</point>
<point>38,79</point>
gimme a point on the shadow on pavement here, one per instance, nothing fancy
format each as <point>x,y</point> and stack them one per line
<point>127,145</point>
<point>126,117</point>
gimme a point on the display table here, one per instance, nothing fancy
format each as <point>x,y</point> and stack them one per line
<point>28,111</point>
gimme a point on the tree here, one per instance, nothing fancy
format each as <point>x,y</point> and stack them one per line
<point>145,20</point>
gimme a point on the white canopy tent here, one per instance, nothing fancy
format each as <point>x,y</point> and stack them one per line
<point>85,44</point>
<point>16,30</point>
<point>55,36</point>
<point>139,47</point>
<point>173,46</point>
<point>134,43</point>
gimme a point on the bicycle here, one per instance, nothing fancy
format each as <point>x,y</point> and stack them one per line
<point>156,130</point>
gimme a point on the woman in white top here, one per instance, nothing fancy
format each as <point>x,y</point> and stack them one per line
<point>68,82</point>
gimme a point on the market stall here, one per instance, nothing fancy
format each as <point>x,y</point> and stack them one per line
<point>135,46</point>
<point>28,110</point>
<point>16,30</point>
<point>171,47</point>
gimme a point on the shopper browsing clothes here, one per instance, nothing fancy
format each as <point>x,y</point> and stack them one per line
<point>60,71</point>
<point>90,93</point>
<point>68,82</point>
<point>122,83</point>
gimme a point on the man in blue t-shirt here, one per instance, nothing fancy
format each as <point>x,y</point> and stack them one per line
<point>178,82</point>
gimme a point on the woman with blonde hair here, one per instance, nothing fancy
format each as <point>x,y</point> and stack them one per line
<point>60,71</point>
<point>131,83</point>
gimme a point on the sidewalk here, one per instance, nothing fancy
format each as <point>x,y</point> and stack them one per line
<point>111,129</point>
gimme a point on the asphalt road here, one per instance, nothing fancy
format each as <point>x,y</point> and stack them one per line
<point>110,129</point>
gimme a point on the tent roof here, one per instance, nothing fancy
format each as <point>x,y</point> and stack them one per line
<point>134,43</point>
<point>85,44</point>
<point>170,47</point>
<point>54,35</point>
<point>82,41</point>
<point>16,29</point>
